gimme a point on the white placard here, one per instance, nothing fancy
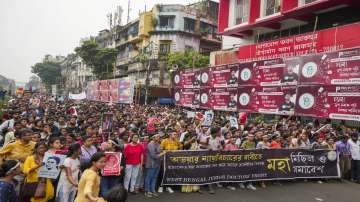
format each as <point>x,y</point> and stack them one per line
<point>51,167</point>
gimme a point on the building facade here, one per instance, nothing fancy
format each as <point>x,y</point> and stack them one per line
<point>165,29</point>
<point>264,28</point>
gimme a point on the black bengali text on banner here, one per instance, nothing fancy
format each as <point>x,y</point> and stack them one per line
<point>206,167</point>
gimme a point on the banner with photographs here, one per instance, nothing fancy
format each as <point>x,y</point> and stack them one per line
<point>107,122</point>
<point>51,167</point>
<point>206,167</point>
<point>113,90</point>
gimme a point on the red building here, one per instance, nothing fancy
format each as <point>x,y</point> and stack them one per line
<point>285,28</point>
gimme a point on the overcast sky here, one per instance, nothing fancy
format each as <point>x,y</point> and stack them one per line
<point>30,29</point>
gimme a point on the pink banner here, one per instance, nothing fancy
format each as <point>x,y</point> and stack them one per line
<point>187,97</point>
<point>187,79</point>
<point>269,100</point>
<point>337,68</point>
<point>224,76</point>
<point>112,166</point>
<point>219,98</point>
<point>335,102</point>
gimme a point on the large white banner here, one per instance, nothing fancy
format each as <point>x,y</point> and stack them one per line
<point>79,96</point>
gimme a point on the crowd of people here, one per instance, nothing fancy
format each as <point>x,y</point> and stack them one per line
<point>29,130</point>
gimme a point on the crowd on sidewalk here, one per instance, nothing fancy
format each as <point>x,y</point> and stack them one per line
<point>31,129</point>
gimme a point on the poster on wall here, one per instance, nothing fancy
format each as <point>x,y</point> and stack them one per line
<point>335,102</point>
<point>277,100</point>
<point>220,76</point>
<point>187,97</point>
<point>187,78</point>
<point>268,73</point>
<point>336,68</point>
<point>219,98</point>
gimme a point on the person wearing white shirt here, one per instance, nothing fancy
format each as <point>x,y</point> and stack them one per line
<point>354,144</point>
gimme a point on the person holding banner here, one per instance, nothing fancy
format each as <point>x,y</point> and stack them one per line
<point>249,143</point>
<point>8,170</point>
<point>152,165</point>
<point>31,171</point>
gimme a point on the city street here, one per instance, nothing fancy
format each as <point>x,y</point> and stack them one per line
<point>288,192</point>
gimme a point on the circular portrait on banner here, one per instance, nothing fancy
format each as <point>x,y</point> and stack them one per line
<point>177,96</point>
<point>177,79</point>
<point>245,74</point>
<point>204,77</point>
<point>204,98</point>
<point>309,69</point>
<point>244,99</point>
<point>306,101</point>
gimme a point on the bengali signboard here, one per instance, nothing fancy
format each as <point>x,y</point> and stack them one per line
<point>335,102</point>
<point>337,68</point>
<point>206,167</point>
<point>187,97</point>
<point>219,98</point>
<point>187,79</point>
<point>270,100</point>
<point>220,76</point>
<point>268,73</point>
<point>326,40</point>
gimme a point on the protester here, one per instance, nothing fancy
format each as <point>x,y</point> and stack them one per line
<point>152,165</point>
<point>354,146</point>
<point>134,159</point>
<point>69,177</point>
<point>8,170</point>
<point>87,151</point>
<point>89,184</point>
<point>31,171</point>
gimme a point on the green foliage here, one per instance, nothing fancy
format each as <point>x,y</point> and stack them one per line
<point>100,60</point>
<point>186,60</point>
<point>49,72</point>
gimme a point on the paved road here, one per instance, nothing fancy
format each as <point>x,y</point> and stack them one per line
<point>288,192</point>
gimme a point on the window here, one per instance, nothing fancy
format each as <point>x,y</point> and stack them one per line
<point>271,7</point>
<point>189,24</point>
<point>241,11</point>
<point>167,21</point>
<point>303,2</point>
<point>165,47</point>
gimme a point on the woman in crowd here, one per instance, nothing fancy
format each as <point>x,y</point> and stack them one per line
<point>89,184</point>
<point>31,171</point>
<point>134,159</point>
<point>54,145</point>
<point>87,150</point>
<point>69,177</point>
<point>8,170</point>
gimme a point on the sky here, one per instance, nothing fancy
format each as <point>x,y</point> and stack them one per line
<point>30,29</point>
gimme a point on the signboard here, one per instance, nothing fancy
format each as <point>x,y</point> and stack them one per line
<point>268,73</point>
<point>337,68</point>
<point>269,100</point>
<point>206,167</point>
<point>208,119</point>
<point>51,167</point>
<point>79,96</point>
<point>326,40</point>
<point>220,76</point>
<point>187,79</point>
<point>335,102</point>
<point>187,97</point>
<point>219,98</point>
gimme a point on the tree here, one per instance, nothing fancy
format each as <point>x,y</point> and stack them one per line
<point>49,72</point>
<point>100,60</point>
<point>186,60</point>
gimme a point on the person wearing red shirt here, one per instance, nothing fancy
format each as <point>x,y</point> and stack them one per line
<point>276,142</point>
<point>134,158</point>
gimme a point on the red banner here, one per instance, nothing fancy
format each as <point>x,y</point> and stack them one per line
<point>187,79</point>
<point>219,98</point>
<point>336,68</point>
<point>335,102</point>
<point>112,166</point>
<point>220,76</point>
<point>268,73</point>
<point>327,40</point>
<point>269,100</point>
<point>187,97</point>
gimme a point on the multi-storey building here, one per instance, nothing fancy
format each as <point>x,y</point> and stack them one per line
<point>264,28</point>
<point>165,29</point>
